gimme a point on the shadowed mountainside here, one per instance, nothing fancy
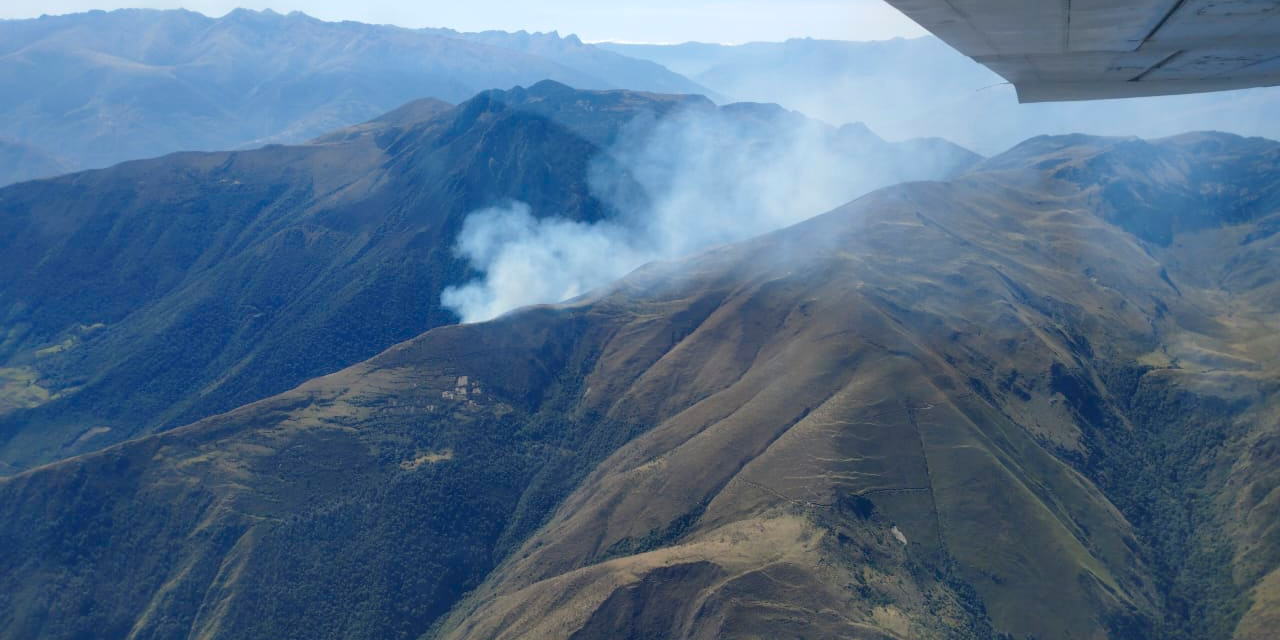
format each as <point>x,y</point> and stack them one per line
<point>159,292</point>
<point>970,409</point>
<point>99,88</point>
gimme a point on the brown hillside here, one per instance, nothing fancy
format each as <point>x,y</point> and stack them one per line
<point>946,410</point>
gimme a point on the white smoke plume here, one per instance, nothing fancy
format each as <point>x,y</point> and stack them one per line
<point>528,261</point>
<point>712,177</point>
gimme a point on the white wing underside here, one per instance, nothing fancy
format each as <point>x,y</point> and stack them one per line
<point>1089,49</point>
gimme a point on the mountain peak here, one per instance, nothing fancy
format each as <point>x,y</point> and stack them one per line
<point>858,131</point>
<point>550,88</point>
<point>241,13</point>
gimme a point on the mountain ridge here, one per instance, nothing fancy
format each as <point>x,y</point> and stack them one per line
<point>824,430</point>
<point>157,292</point>
<point>143,83</point>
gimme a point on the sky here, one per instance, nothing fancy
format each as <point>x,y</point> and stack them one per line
<point>654,21</point>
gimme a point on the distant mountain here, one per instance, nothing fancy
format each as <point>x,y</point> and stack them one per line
<point>158,292</point>
<point>20,161</point>
<point>1037,400</point>
<point>99,88</point>
<point>906,88</point>
<point>623,71</point>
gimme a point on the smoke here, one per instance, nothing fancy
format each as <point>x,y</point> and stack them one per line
<point>924,87</point>
<point>711,176</point>
<point>527,260</point>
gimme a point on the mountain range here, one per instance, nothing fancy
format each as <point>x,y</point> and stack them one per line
<point>367,348</point>
<point>1038,399</point>
<point>922,87</point>
<point>155,293</point>
<point>133,84</point>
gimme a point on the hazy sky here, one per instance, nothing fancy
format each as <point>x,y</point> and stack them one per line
<point>593,20</point>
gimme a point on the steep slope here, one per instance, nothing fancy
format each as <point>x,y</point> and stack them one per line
<point>922,87</point>
<point>162,291</point>
<point>155,293</point>
<point>1019,388</point>
<point>99,88</point>
<point>968,409</point>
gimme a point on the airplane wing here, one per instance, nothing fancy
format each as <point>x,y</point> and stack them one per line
<point>1088,49</point>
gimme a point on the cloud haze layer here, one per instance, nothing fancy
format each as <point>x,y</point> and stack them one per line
<point>633,21</point>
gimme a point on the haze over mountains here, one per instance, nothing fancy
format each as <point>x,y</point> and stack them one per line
<point>102,87</point>
<point>158,292</point>
<point>922,87</point>
<point>306,390</point>
<point>134,84</point>
<point>1036,400</point>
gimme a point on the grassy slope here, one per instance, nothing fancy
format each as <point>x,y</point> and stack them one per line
<point>224,278</point>
<point>156,293</point>
<point>1071,429</point>
<point>1034,397</point>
